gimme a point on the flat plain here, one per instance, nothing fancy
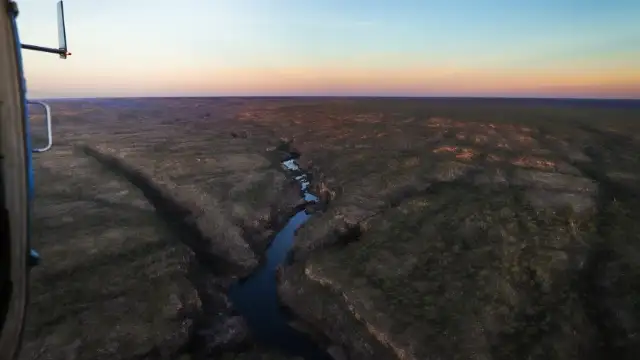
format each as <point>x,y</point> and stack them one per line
<point>451,228</point>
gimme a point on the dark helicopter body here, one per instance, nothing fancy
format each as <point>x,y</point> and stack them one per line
<point>16,176</point>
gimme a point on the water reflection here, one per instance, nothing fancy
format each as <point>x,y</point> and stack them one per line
<point>256,297</point>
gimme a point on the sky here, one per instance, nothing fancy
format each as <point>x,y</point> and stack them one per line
<point>536,48</point>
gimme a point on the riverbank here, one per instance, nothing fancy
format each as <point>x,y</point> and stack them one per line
<point>452,235</point>
<point>444,228</point>
<point>209,205</point>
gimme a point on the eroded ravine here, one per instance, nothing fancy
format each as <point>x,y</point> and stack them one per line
<point>253,300</point>
<point>256,298</point>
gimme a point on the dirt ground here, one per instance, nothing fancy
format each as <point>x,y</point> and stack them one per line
<point>488,229</point>
<point>112,281</point>
<point>143,217</point>
<point>455,228</point>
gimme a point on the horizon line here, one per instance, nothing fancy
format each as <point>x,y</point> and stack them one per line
<point>347,96</point>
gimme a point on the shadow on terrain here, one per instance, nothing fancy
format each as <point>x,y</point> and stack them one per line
<point>617,203</point>
<point>603,283</point>
<point>86,280</point>
<point>176,216</point>
<point>204,271</point>
<point>602,289</point>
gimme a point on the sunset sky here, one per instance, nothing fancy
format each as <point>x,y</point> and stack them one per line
<point>546,48</point>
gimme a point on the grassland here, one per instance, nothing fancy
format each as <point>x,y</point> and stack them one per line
<point>455,228</point>
<point>468,228</point>
<point>145,212</point>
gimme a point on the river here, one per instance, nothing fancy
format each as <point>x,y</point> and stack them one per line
<point>256,297</point>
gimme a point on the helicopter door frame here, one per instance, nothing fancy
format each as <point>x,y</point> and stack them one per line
<point>14,191</point>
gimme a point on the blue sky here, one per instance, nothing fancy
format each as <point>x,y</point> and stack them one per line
<point>394,47</point>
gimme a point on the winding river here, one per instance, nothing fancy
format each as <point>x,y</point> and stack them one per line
<point>256,297</point>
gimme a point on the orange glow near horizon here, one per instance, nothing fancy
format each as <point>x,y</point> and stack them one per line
<point>622,82</point>
<point>541,48</point>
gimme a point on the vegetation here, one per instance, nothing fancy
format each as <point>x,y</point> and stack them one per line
<point>487,226</point>
<point>456,228</point>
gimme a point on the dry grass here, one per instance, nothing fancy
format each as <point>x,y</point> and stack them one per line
<point>515,241</point>
<point>486,247</point>
<point>128,188</point>
<point>112,283</point>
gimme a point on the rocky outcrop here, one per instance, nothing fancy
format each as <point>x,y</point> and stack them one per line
<point>435,237</point>
<point>224,251</point>
<point>325,310</point>
<point>433,279</point>
<point>210,234</point>
<point>466,254</point>
<point>112,283</point>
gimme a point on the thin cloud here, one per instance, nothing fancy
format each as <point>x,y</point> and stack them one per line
<point>364,23</point>
<point>324,22</point>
